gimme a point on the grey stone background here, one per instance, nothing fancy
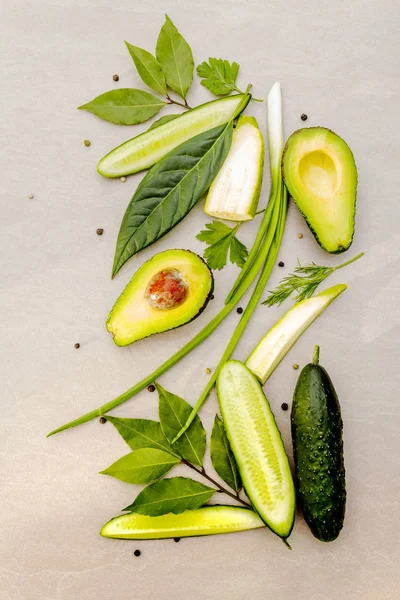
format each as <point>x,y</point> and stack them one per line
<point>338,62</point>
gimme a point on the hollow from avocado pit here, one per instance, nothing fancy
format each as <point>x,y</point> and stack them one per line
<point>167,291</point>
<point>318,173</point>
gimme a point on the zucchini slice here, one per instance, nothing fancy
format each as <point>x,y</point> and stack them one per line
<point>207,520</point>
<point>277,342</point>
<point>235,192</point>
<point>146,149</point>
<point>257,445</point>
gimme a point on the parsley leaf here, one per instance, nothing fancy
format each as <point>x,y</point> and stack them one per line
<point>219,76</point>
<point>222,240</point>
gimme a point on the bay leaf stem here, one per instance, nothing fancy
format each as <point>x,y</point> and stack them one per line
<point>172,101</point>
<point>201,471</point>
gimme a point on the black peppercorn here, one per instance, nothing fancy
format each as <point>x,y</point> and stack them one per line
<point>177,540</point>
<point>99,231</point>
<point>116,77</point>
<point>281,264</point>
<point>284,406</point>
<point>304,117</point>
<point>137,553</point>
<point>77,345</point>
<point>239,310</point>
<point>151,388</point>
<point>102,420</point>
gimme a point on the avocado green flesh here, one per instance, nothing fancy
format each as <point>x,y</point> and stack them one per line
<point>320,173</point>
<point>146,149</point>
<point>235,191</point>
<point>257,445</point>
<point>208,520</point>
<point>318,453</point>
<point>277,342</point>
<point>133,318</point>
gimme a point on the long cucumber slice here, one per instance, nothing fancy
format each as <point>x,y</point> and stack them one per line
<point>257,445</point>
<point>277,342</point>
<point>202,521</point>
<point>235,192</point>
<point>146,149</point>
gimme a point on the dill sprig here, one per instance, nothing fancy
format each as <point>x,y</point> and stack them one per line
<point>304,281</point>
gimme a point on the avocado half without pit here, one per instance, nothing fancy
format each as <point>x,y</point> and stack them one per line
<point>167,291</point>
<point>320,173</point>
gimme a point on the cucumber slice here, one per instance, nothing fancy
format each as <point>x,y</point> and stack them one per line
<point>269,352</point>
<point>257,446</point>
<point>202,521</point>
<point>235,192</point>
<point>146,149</point>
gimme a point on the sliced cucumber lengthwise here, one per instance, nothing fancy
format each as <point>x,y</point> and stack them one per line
<point>146,149</point>
<point>208,520</point>
<point>274,346</point>
<point>258,447</point>
<point>235,192</point>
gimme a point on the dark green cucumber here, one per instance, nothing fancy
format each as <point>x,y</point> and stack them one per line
<point>318,451</point>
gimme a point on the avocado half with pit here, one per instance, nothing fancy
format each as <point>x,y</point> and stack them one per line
<point>167,291</point>
<point>320,173</point>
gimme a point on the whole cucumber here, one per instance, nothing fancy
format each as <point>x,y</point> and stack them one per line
<point>318,451</point>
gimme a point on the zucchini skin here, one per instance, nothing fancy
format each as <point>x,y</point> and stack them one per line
<point>317,427</point>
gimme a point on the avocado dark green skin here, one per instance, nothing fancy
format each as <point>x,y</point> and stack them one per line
<point>340,249</point>
<point>318,453</point>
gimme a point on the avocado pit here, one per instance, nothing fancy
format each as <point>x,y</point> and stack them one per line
<point>166,290</point>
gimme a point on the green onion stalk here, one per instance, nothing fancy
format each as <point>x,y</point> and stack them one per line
<point>264,252</point>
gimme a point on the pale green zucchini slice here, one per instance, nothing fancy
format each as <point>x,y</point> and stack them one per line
<point>207,520</point>
<point>277,342</point>
<point>235,192</point>
<point>146,149</point>
<point>258,447</point>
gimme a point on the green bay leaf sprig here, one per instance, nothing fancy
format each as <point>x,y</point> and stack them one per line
<point>172,69</point>
<point>154,456</point>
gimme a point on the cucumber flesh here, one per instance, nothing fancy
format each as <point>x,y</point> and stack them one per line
<point>146,149</point>
<point>235,192</point>
<point>202,521</point>
<point>257,445</point>
<point>269,352</point>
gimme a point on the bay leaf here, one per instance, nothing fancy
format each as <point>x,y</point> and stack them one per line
<point>170,190</point>
<point>173,413</point>
<point>142,466</point>
<point>141,433</point>
<point>222,456</point>
<point>124,106</point>
<point>173,495</point>
<point>148,68</point>
<point>176,58</point>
